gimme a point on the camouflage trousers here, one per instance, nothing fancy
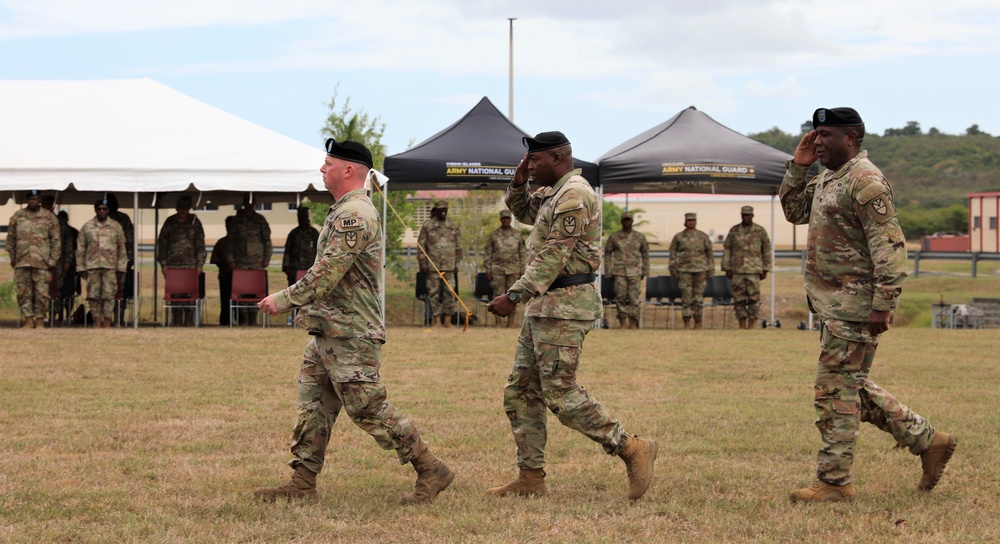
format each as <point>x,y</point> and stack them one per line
<point>845,397</point>
<point>692,286</point>
<point>102,287</point>
<point>746,296</point>
<point>500,284</point>
<point>627,296</point>
<point>438,293</point>
<point>344,373</point>
<point>544,376</point>
<point>32,286</point>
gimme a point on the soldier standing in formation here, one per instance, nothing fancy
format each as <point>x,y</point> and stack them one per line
<point>691,264</point>
<point>626,259</point>
<point>249,247</point>
<point>440,238</point>
<point>562,301</point>
<point>101,259</point>
<point>220,259</point>
<point>127,287</point>
<point>34,245</point>
<point>849,211</point>
<point>66,269</point>
<point>746,258</point>
<point>340,305</point>
<point>300,247</point>
<point>181,244</point>
<point>504,258</point>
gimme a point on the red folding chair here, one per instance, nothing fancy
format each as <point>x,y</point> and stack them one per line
<point>249,288</point>
<point>181,290</point>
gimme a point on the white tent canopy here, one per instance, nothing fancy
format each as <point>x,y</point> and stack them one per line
<point>138,136</point>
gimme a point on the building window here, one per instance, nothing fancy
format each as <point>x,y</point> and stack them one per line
<point>207,207</point>
<point>422,211</point>
<point>976,223</point>
<point>262,206</point>
<point>993,223</point>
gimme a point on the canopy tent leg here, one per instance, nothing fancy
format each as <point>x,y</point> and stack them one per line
<point>773,267</point>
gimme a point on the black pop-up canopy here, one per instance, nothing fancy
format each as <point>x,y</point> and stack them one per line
<point>692,153</point>
<point>479,151</point>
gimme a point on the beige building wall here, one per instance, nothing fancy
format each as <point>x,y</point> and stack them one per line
<point>984,214</point>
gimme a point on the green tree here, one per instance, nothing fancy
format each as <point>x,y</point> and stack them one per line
<point>344,123</point>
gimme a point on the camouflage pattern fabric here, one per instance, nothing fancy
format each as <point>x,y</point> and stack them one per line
<point>300,251</point>
<point>128,229</point>
<point>181,244</point>
<point>854,240</point>
<point>102,287</point>
<point>101,245</point>
<point>32,287</point>
<point>845,397</point>
<point>747,250</point>
<point>440,239</point>
<point>544,376</point>
<point>565,241</point>
<point>626,258</point>
<point>34,244</point>
<point>344,373</point>
<point>746,296</point>
<point>249,242</point>
<point>340,300</point>
<point>66,267</point>
<point>505,253</point>
<point>692,286</point>
<point>691,251</point>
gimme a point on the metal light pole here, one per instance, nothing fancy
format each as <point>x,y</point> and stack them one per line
<point>510,75</point>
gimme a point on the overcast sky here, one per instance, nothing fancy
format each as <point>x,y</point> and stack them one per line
<point>599,71</point>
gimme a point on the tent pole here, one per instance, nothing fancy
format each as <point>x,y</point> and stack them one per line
<point>156,262</point>
<point>385,218</point>
<point>773,267</point>
<point>135,269</point>
<point>600,278</point>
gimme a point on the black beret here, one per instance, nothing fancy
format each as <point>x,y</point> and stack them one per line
<point>33,192</point>
<point>101,202</point>
<point>349,150</point>
<point>836,117</point>
<point>544,140</point>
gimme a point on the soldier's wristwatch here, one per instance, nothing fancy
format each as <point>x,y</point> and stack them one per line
<point>513,296</point>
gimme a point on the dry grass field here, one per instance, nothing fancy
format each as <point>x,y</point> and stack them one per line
<point>159,435</point>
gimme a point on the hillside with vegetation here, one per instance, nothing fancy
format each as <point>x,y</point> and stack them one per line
<point>931,172</point>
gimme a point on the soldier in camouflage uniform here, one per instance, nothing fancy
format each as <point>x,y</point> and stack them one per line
<point>440,238</point>
<point>691,264</point>
<point>854,241</point>
<point>504,258</point>
<point>128,287</point>
<point>339,301</point>
<point>101,259</point>
<point>562,300</point>
<point>626,259</point>
<point>746,259</point>
<point>249,247</point>
<point>34,245</point>
<point>300,247</point>
<point>181,244</point>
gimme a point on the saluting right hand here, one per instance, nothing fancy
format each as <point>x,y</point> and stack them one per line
<point>805,152</point>
<point>521,173</point>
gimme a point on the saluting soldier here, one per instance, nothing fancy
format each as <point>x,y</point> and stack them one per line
<point>559,289</point>
<point>340,305</point>
<point>504,258</point>
<point>626,259</point>
<point>746,259</point>
<point>691,264</point>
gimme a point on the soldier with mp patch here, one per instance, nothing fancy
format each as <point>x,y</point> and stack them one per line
<point>339,303</point>
<point>562,303</point>
<point>855,269</point>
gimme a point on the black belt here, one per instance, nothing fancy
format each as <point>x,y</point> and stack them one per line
<point>575,279</point>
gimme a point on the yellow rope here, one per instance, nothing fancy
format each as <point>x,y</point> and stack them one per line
<point>468,312</point>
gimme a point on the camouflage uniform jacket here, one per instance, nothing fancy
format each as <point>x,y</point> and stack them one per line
<point>441,241</point>
<point>340,295</point>
<point>33,239</point>
<point>505,252</point>
<point>249,242</point>
<point>101,245</point>
<point>129,229</point>
<point>627,254</point>
<point>855,253</point>
<point>68,237</point>
<point>565,241</point>
<point>691,251</point>
<point>747,250</point>
<point>300,249</point>
<point>181,243</point>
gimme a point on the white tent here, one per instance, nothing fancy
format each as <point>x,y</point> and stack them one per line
<point>139,136</point>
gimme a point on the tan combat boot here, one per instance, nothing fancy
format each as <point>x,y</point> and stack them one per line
<point>633,323</point>
<point>934,458</point>
<point>530,481</point>
<point>301,486</point>
<point>822,491</point>
<point>639,455</point>
<point>743,324</point>
<point>697,323</point>
<point>29,323</point>
<point>687,323</point>
<point>446,321</point>
<point>751,324</point>
<point>622,323</point>
<point>433,477</point>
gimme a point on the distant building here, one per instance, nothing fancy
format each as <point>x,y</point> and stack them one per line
<point>984,208</point>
